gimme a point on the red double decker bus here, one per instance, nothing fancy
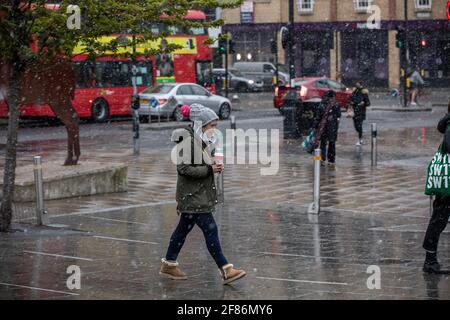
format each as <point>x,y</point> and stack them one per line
<point>104,87</point>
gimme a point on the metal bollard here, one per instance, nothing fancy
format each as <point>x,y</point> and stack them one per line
<point>233,122</point>
<point>374,144</point>
<point>41,214</point>
<point>314,208</point>
<point>136,136</point>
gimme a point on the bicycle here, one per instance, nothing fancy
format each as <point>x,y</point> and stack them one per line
<point>421,97</point>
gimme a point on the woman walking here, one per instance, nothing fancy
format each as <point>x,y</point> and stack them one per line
<point>359,101</point>
<point>196,195</point>
<point>441,211</point>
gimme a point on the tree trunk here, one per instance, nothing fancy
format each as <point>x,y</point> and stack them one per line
<point>9,177</point>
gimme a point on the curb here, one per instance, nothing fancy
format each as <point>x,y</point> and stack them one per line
<point>398,109</point>
<point>155,126</point>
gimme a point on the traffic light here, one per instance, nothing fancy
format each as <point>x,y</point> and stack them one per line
<point>285,37</point>
<point>231,46</point>
<point>222,45</point>
<point>424,43</point>
<point>273,46</point>
<point>400,39</point>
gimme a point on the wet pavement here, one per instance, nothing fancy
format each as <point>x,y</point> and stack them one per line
<point>370,217</point>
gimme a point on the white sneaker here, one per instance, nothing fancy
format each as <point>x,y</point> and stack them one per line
<point>358,143</point>
<point>413,104</point>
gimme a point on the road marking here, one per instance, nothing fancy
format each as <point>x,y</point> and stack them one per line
<point>118,220</point>
<point>57,255</point>
<point>305,281</point>
<point>118,209</point>
<point>122,239</point>
<point>36,288</point>
<point>296,255</point>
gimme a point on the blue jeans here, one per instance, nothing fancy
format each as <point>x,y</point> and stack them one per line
<point>208,225</point>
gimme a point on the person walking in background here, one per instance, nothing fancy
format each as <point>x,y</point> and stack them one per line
<point>326,126</point>
<point>441,210</point>
<point>416,82</point>
<point>359,101</point>
<point>196,195</point>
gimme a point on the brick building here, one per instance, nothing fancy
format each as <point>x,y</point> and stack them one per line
<point>337,38</point>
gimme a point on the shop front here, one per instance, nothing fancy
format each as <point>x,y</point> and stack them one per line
<point>364,57</point>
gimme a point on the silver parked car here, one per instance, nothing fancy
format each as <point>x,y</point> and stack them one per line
<point>166,100</point>
<point>263,71</point>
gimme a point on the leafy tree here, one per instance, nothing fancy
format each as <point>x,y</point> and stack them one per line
<point>24,22</point>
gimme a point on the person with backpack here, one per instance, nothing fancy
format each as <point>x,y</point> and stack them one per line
<point>441,210</point>
<point>326,126</point>
<point>359,101</point>
<point>196,193</point>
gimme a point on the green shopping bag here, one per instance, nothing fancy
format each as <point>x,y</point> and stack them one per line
<point>438,176</point>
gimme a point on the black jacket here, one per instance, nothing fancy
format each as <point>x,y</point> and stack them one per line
<point>359,100</point>
<point>331,128</point>
<point>442,128</point>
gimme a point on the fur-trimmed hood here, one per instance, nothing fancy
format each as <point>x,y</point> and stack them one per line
<point>363,90</point>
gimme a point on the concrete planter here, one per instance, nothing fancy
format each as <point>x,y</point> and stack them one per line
<point>87,178</point>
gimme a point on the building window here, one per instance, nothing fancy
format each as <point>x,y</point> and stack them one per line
<point>305,6</point>
<point>362,6</point>
<point>423,5</point>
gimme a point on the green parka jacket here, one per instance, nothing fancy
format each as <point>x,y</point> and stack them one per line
<point>196,190</point>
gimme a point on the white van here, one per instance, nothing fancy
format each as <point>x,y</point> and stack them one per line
<point>264,71</point>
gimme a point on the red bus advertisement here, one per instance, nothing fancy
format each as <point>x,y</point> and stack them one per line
<point>104,87</point>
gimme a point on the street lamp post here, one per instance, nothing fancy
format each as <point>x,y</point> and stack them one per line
<point>405,55</point>
<point>135,103</point>
<point>291,43</point>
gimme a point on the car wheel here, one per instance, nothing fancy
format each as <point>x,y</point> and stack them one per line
<point>225,111</point>
<point>242,87</point>
<point>144,119</point>
<point>100,110</point>
<point>177,115</point>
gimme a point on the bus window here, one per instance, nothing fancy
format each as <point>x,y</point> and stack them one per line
<point>175,30</point>
<point>203,73</point>
<point>196,31</point>
<point>113,74</point>
<point>144,77</point>
<point>85,74</point>
<point>164,67</point>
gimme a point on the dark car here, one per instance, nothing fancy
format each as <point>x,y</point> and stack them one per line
<point>237,81</point>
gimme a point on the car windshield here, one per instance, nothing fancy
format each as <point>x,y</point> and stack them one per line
<point>164,88</point>
<point>299,83</point>
<point>236,73</point>
<point>283,68</point>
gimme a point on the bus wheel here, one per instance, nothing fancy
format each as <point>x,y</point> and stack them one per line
<point>224,112</point>
<point>100,110</point>
<point>177,115</point>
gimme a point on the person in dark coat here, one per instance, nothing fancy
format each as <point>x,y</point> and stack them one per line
<point>441,211</point>
<point>326,126</point>
<point>359,101</point>
<point>196,193</point>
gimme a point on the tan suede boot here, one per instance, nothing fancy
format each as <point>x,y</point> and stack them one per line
<point>171,270</point>
<point>229,274</point>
